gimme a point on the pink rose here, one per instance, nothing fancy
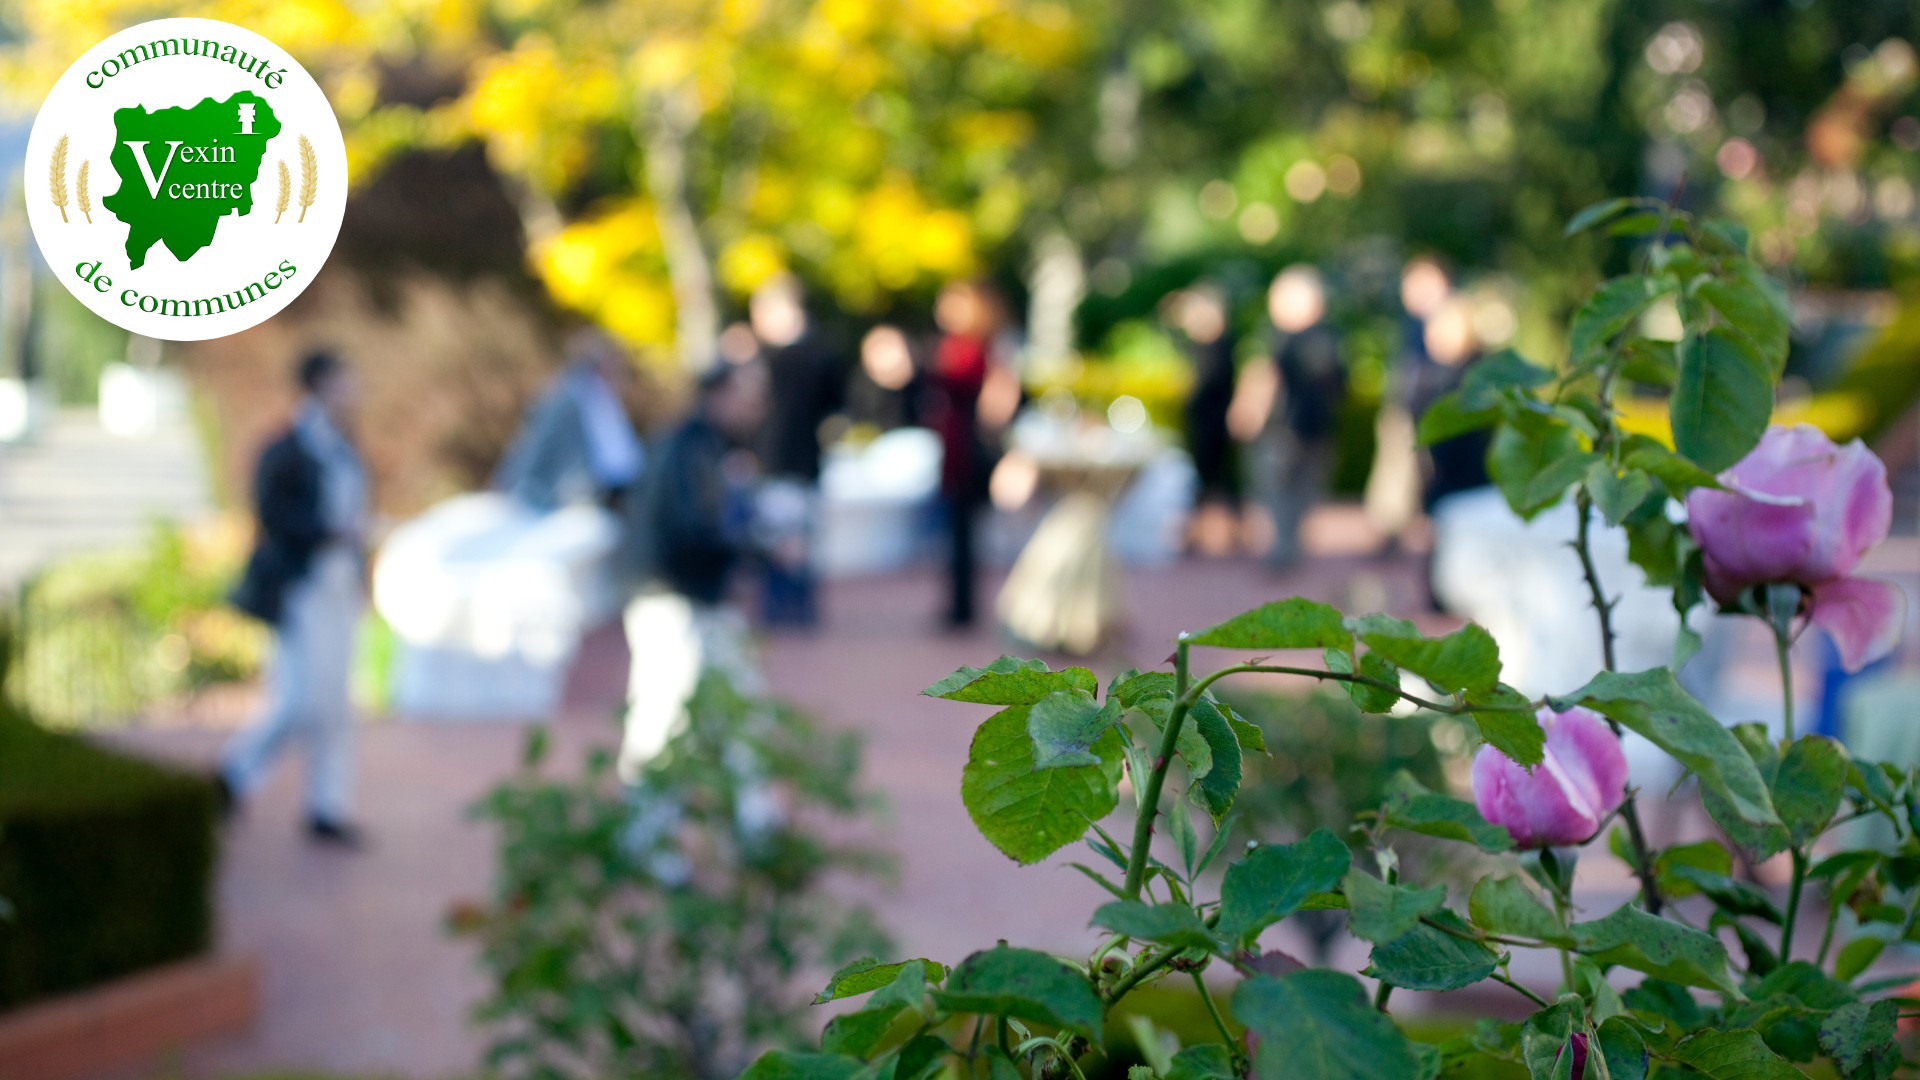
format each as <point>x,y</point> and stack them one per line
<point>1800,509</point>
<point>1562,800</point>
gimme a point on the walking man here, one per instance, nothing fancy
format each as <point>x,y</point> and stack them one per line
<point>305,579</point>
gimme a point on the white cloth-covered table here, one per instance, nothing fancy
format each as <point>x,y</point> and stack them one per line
<point>488,599</point>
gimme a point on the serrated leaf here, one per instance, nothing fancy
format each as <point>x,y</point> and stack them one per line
<point>1166,924</point>
<point>1750,311</point>
<point>1808,787</point>
<point>1603,315</point>
<point>1208,1061</point>
<point>1412,807</point>
<point>1852,1035</point>
<point>1429,958</point>
<point>1617,494</point>
<point>1736,898</point>
<point>1248,733</point>
<point>858,1033</point>
<point>868,974</point>
<point>788,1065</point>
<point>1377,911</point>
<point>1448,417</point>
<point>1274,880</point>
<point>1010,681</point>
<point>1133,687</point>
<point>1545,1041</point>
<point>1466,660</point>
<point>1488,380</point>
<point>1653,704</point>
<point>1318,1025</point>
<point>1027,813</point>
<point>1534,467</point>
<point>1706,855</point>
<point>1294,623</point>
<point>1857,956</point>
<point>1064,726</point>
<point>1504,905</point>
<point>1214,792</point>
<point>1603,210</point>
<point>1650,362</point>
<point>1632,938</point>
<point>1026,985</point>
<point>1625,1051</point>
<point>1734,1055</point>
<point>1366,697</point>
<point>1514,732</point>
<point>1722,400</point>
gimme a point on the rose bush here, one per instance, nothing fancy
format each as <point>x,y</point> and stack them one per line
<point>1722,990</point>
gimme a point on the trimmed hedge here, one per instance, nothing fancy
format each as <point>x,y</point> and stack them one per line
<point>106,862</point>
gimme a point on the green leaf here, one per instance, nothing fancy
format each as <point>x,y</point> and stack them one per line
<point>1377,911</point>
<point>1807,789</point>
<point>1295,623</point>
<point>857,1033</point>
<point>1274,880</point>
<point>1705,855</point>
<point>1625,1051</point>
<point>1133,687</point>
<point>1734,1055</point>
<point>1214,791</point>
<point>1412,807</point>
<point>919,1058</point>
<point>1248,733</point>
<point>1635,224</point>
<point>1465,660</point>
<point>1751,312</point>
<point>1504,905</point>
<point>1806,984</point>
<point>1318,1025</point>
<point>1027,813</point>
<point>1514,732</point>
<point>1657,547</point>
<point>868,974</point>
<point>1617,494</point>
<point>1668,1000</point>
<point>1449,417</point>
<point>1429,958</point>
<point>1604,210</point>
<point>1855,1034</point>
<point>1856,956</point>
<point>1535,467</point>
<point>787,1065</point>
<point>1367,698</point>
<point>1010,681</point>
<point>1653,704</point>
<point>1166,924</point>
<point>1650,362</point>
<point>1730,236</point>
<point>1545,1040</point>
<point>1632,938</point>
<point>1721,401</point>
<point>1487,380</point>
<point>1026,985</point>
<point>1736,898</point>
<point>1064,724</point>
<point>1208,1061</point>
<point>1611,309</point>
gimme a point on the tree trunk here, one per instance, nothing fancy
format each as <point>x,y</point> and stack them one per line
<point>669,122</point>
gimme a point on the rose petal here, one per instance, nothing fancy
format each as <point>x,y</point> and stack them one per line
<point>1580,779</point>
<point>1587,751</point>
<point>1863,616</point>
<point>1744,540</point>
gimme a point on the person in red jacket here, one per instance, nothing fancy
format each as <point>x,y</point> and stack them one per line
<point>966,392</point>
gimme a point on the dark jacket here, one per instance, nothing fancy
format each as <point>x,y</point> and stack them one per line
<point>1315,379</point>
<point>286,492</point>
<point>689,526</point>
<point>806,384</point>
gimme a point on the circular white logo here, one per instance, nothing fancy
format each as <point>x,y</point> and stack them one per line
<point>186,179</point>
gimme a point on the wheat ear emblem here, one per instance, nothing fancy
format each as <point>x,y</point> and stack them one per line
<point>80,193</point>
<point>286,188</point>
<point>309,177</point>
<point>57,176</point>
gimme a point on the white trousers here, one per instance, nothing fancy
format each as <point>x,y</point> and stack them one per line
<point>307,693</point>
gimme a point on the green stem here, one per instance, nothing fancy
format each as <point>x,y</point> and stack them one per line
<point>1446,708</point>
<point>1148,965</point>
<point>1793,904</point>
<point>1233,1045</point>
<point>1566,958</point>
<point>1157,779</point>
<point>1381,995</point>
<point>1781,643</point>
<point>1531,996</point>
<point>1826,937</point>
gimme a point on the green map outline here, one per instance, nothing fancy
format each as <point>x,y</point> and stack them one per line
<point>185,226</point>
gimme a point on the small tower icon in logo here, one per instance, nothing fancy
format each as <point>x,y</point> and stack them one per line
<point>246,118</point>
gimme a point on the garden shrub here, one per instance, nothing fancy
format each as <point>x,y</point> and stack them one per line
<point>106,862</point>
<point>654,930</point>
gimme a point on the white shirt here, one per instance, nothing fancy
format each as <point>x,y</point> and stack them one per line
<point>343,479</point>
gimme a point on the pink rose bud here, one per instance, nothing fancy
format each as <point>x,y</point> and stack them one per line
<point>1578,1044</point>
<point>1799,509</point>
<point>1562,800</point>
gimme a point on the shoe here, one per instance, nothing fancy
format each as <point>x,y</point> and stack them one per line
<point>336,833</point>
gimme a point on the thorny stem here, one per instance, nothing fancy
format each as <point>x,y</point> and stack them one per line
<point>1219,1022</point>
<point>1630,809</point>
<point>1157,779</point>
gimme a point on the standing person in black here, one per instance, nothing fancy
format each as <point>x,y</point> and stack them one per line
<point>1201,314</point>
<point>305,578</point>
<point>806,383</point>
<point>1298,442</point>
